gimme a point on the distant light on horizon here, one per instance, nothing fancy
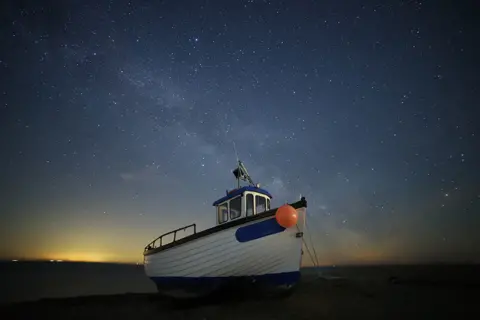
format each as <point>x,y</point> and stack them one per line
<point>91,257</point>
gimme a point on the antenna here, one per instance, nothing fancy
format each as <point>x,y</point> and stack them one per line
<point>235,149</point>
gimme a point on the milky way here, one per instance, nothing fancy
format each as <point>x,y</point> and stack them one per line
<point>119,119</point>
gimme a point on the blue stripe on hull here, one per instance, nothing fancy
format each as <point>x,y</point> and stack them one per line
<point>258,230</point>
<point>179,287</point>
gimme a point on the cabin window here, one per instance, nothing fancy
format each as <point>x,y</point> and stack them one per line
<point>268,204</point>
<point>260,204</point>
<point>249,204</point>
<point>223,212</point>
<point>235,208</point>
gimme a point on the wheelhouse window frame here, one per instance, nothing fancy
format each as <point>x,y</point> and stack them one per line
<point>249,205</point>
<point>264,198</point>
<point>223,216</point>
<point>239,208</point>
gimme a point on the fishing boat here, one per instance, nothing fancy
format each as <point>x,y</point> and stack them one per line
<point>251,246</point>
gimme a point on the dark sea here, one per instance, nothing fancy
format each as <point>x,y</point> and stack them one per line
<point>25,281</point>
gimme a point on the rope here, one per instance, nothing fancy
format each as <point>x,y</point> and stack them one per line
<point>309,253</point>
<point>308,249</point>
<point>313,246</point>
<point>315,260</point>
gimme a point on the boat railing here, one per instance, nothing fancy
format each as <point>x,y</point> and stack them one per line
<point>159,242</point>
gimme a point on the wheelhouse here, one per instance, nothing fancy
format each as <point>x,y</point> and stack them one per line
<point>242,202</point>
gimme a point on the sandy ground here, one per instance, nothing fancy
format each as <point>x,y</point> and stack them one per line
<point>371,295</point>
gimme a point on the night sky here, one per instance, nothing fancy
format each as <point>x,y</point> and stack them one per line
<point>117,123</point>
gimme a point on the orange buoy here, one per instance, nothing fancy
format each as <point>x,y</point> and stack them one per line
<point>286,216</point>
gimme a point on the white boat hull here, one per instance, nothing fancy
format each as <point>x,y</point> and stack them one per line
<point>241,254</point>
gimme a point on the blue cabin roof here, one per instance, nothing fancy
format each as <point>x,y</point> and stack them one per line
<point>241,190</point>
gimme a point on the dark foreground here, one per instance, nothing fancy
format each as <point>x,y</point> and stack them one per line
<point>439,292</point>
